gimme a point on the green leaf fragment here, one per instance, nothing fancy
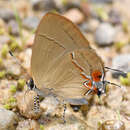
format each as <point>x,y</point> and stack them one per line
<point>2,74</point>
<point>21,83</point>
<point>41,127</point>
<point>4,51</point>
<point>13,88</point>
<point>125,81</point>
<point>7,106</point>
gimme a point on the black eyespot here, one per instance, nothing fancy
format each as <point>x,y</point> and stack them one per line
<point>100,76</point>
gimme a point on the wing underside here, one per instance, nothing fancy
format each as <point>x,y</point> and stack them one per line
<point>52,64</point>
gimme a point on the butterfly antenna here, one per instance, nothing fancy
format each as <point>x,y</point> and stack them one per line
<point>112,83</point>
<point>18,62</point>
<point>103,77</point>
<point>115,70</point>
<point>11,53</point>
<point>30,84</point>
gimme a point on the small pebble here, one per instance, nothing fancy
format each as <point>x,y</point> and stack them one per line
<point>105,34</point>
<point>8,120</point>
<point>90,25</point>
<point>28,125</point>
<point>25,56</point>
<point>50,105</point>
<point>25,104</point>
<point>43,4</point>
<point>70,4</point>
<point>84,27</point>
<point>75,15</point>
<point>4,39</point>
<point>121,62</point>
<point>13,28</point>
<point>6,14</point>
<point>101,1</point>
<point>113,125</point>
<point>97,114</point>
<point>72,123</point>
<point>2,24</point>
<point>31,22</point>
<point>12,67</point>
<point>112,101</point>
<point>114,17</point>
<point>85,7</point>
<point>125,108</point>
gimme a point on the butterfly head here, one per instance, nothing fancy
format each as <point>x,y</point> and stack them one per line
<point>98,83</point>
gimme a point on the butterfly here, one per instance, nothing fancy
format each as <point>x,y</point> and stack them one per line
<point>63,62</point>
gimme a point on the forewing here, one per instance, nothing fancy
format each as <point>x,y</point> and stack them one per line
<point>55,37</point>
<point>63,31</point>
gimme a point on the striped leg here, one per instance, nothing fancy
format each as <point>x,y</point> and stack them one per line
<point>88,92</point>
<point>36,104</point>
<point>90,88</point>
<point>64,113</point>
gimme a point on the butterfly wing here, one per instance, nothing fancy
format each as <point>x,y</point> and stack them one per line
<point>62,31</point>
<point>57,43</point>
<point>65,77</point>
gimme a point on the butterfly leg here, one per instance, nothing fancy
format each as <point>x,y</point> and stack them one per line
<point>90,87</point>
<point>88,92</point>
<point>64,113</point>
<point>36,104</point>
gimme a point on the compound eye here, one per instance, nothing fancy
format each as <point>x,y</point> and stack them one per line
<point>31,84</point>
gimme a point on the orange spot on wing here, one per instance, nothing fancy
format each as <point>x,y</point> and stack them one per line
<point>96,75</point>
